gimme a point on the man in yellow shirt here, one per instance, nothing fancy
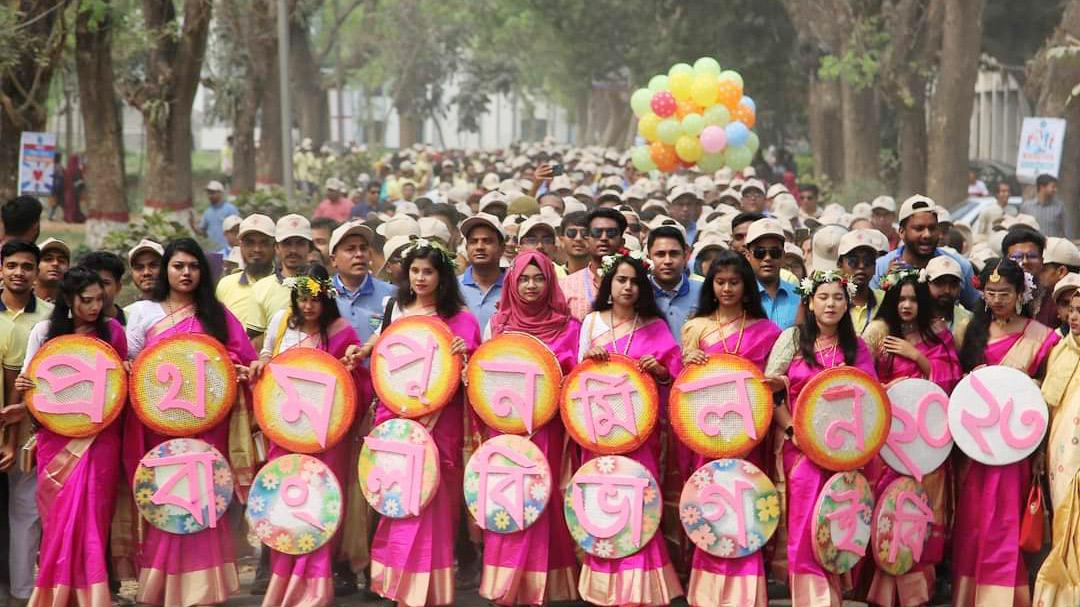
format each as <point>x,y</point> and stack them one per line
<point>236,291</point>
<point>858,252</point>
<point>294,244</point>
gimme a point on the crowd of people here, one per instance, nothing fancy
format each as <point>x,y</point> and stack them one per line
<point>576,248</point>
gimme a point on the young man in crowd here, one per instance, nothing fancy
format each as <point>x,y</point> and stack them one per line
<point>212,223</point>
<point>110,268</point>
<point>677,290</point>
<point>293,244</point>
<point>858,252</point>
<point>55,260</point>
<point>22,219</point>
<point>235,290</point>
<point>321,229</point>
<point>574,237</point>
<point>482,281</point>
<point>606,229</point>
<point>1060,258</point>
<point>943,277</point>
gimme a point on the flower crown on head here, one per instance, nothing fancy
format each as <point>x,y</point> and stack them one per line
<point>309,286</point>
<point>808,285</point>
<point>610,262</point>
<point>898,275</point>
<point>424,243</point>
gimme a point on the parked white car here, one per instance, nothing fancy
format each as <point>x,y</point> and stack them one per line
<point>968,211</point>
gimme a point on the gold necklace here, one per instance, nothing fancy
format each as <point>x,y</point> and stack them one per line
<point>723,338</point>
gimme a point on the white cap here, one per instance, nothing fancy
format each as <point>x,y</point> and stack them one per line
<point>405,207</point>
<point>679,191</point>
<point>335,184</point>
<point>943,215</point>
<point>479,219</point>
<point>393,245</point>
<point>350,228</point>
<point>560,183</point>
<point>231,222</point>
<point>398,225</point>
<point>943,265</point>
<point>749,172</point>
<point>785,206</point>
<point>752,184</point>
<point>432,227</point>
<point>764,227</point>
<point>731,193</point>
<point>493,197</point>
<point>235,257</point>
<point>663,221</point>
<point>1022,219</point>
<point>775,190</point>
<point>533,222</point>
<point>862,210</point>
<point>791,249</point>
<point>609,193</point>
<point>1068,281</point>
<point>490,182</point>
<point>706,241</point>
<point>215,186</point>
<point>655,203</point>
<point>146,245</point>
<point>54,243</point>
<point>583,190</point>
<point>292,225</point>
<point>855,239</point>
<point>825,249</point>
<point>257,223</point>
<point>1062,251</point>
<point>631,243</point>
<point>916,204</point>
<point>885,203</point>
<point>881,241</point>
<point>722,176</point>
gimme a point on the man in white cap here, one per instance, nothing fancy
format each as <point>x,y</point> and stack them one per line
<point>858,253</point>
<point>231,228</point>
<point>294,244</point>
<point>482,281</point>
<point>684,206</point>
<point>494,203</point>
<point>55,260</point>
<point>361,297</point>
<point>944,277</point>
<point>1060,257</point>
<point>882,218</point>
<point>336,205</point>
<point>808,201</point>
<point>765,250</point>
<point>1068,306</point>
<point>234,290</point>
<point>752,196</point>
<point>144,259</point>
<point>212,222</point>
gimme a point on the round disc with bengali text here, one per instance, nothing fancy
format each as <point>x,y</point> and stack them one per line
<point>919,440</point>
<point>183,385</point>
<point>295,504</point>
<point>398,468</point>
<point>305,400</point>
<point>412,370</point>
<point>80,385</point>
<point>609,407</point>
<point>729,508</point>
<point>612,506</point>
<point>841,418</point>
<point>513,383</point>
<point>507,484</point>
<point>183,486</point>
<point>841,522</point>
<point>997,415</point>
<point>721,409</point>
<point>901,526</point>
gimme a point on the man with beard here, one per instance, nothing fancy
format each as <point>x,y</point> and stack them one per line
<point>858,252</point>
<point>677,291</point>
<point>55,260</point>
<point>574,236</point>
<point>145,262</point>
<point>292,234</point>
<point>918,230</point>
<point>764,250</point>
<point>235,291</point>
<point>943,277</point>
<point>606,229</point>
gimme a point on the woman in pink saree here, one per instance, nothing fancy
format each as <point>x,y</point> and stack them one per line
<point>988,567</point>
<point>311,321</point>
<point>77,477</point>
<point>907,343</point>
<point>824,339</point>
<point>412,559</point>
<point>199,568</point>
<point>627,321</point>
<point>729,320</point>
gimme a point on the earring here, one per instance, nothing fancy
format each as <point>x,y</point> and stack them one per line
<point>69,313</point>
<point>1019,307</point>
<point>610,300</point>
<point>987,306</point>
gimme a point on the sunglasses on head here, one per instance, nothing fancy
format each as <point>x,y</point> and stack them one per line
<point>576,232</point>
<point>604,232</point>
<point>772,252</point>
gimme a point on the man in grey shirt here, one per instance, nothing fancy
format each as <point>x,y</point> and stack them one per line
<point>1048,210</point>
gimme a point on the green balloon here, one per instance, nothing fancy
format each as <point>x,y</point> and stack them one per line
<point>731,75</point>
<point>717,115</point>
<point>641,102</point>
<point>752,142</point>
<point>693,124</point>
<point>707,65</point>
<point>668,131</point>
<point>642,158</point>
<point>738,158</point>
<point>680,68</point>
<point>658,83</point>
<point>709,163</point>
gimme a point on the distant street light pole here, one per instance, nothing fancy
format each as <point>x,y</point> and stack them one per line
<point>286,109</point>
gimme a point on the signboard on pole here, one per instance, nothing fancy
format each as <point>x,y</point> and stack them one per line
<point>1041,141</point>
<point>36,164</point>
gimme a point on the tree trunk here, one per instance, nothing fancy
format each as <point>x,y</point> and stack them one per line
<point>312,106</point>
<point>826,133</point>
<point>271,168</point>
<point>954,94</point>
<point>582,115</point>
<point>912,148</point>
<point>410,128</point>
<point>862,144</point>
<point>244,141</point>
<point>620,118</point>
<point>106,200</point>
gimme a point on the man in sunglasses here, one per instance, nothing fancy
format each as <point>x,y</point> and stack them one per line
<point>1026,247</point>
<point>574,240</point>
<point>859,250</point>
<point>765,250</point>
<point>684,206</point>
<point>808,202</point>
<point>677,291</point>
<point>606,229</point>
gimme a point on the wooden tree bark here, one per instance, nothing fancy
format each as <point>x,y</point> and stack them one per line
<point>270,162</point>
<point>862,143</point>
<point>312,105</point>
<point>250,24</point>
<point>106,199</point>
<point>951,105</point>
<point>1051,77</point>
<point>826,132</point>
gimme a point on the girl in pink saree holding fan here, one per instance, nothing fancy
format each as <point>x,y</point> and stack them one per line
<point>199,568</point>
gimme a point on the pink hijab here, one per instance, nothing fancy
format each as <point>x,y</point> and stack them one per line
<point>544,318</point>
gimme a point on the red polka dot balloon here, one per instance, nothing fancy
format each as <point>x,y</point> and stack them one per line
<point>664,104</point>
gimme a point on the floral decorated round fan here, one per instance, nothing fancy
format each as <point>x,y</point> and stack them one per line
<point>305,400</point>
<point>612,506</point>
<point>183,486</point>
<point>997,415</point>
<point>513,383</point>
<point>722,408</point>
<point>399,468</point>
<point>80,385</point>
<point>842,418</point>
<point>841,523</point>
<point>902,522</point>
<point>507,484</point>
<point>183,385</point>
<point>609,407</point>
<point>729,508</point>
<point>295,504</point>
<point>412,370</point>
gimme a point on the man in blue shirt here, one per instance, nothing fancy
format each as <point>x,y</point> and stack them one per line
<point>361,297</point>
<point>919,232</point>
<point>482,282</point>
<point>684,204</point>
<point>677,291</point>
<point>213,218</point>
<point>764,250</point>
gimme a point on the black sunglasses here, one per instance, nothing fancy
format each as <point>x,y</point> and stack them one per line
<point>602,232</point>
<point>773,252</point>
<point>572,233</point>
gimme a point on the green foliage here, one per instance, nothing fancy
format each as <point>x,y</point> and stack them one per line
<point>271,202</point>
<point>346,167</point>
<point>155,226</point>
<point>859,65</point>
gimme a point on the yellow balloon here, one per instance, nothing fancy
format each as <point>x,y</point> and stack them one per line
<point>688,148</point>
<point>705,90</point>
<point>646,126</point>
<point>680,85</point>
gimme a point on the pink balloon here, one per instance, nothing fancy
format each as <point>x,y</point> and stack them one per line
<point>713,139</point>
<point>663,104</point>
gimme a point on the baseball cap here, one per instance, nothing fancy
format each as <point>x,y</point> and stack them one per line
<point>785,206</point>
<point>431,227</point>
<point>663,221</point>
<point>54,243</point>
<point>609,193</point>
<point>791,249</point>
<point>561,183</point>
<point>753,184</point>
<point>862,210</point>
<point>855,239</point>
<point>292,225</point>
<point>394,245</point>
<point>881,241</point>
<point>1067,282</point>
<point>215,186</point>
<point>764,227</point>
<point>943,215</point>
<point>399,225</point>
<point>350,228</point>
<point>825,249</point>
<point>730,193</point>
<point>916,204</point>
<point>750,172</point>
<point>1062,251</point>
<point>256,223</point>
<point>405,207</point>
<point>885,203</point>
<point>232,221</point>
<point>943,265</point>
<point>481,219</point>
<point>146,245</point>
<point>722,176</point>
<point>523,205</point>
<point>775,190</point>
<point>335,184</point>
<point>492,197</point>
<point>654,203</point>
<point>490,182</point>
<point>679,191</point>
<point>532,223</point>
<point>573,205</point>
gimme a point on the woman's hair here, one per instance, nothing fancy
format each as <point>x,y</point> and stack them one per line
<point>889,311</point>
<point>208,309</point>
<point>751,302</point>
<point>847,340</point>
<point>973,351</point>
<point>448,301</point>
<point>330,311</point>
<point>62,321</point>
<point>646,304</point>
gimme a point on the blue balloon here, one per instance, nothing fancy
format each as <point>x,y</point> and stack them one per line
<point>748,102</point>
<point>736,133</point>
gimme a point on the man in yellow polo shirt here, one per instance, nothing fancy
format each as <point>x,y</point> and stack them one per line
<point>294,244</point>
<point>236,291</point>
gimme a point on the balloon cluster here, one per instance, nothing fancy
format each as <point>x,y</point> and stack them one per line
<point>694,115</point>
